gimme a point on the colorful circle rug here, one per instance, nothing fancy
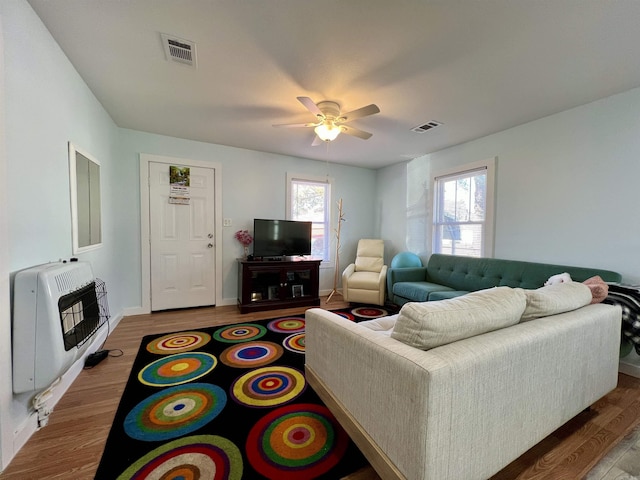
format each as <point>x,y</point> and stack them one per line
<point>300,441</point>
<point>295,343</point>
<point>268,386</point>
<point>251,354</point>
<point>190,458</point>
<point>174,412</point>
<point>240,333</point>
<point>227,403</point>
<point>178,343</point>
<point>176,369</point>
<point>286,325</point>
<point>369,312</point>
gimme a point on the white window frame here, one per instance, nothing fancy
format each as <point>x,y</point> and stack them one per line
<point>488,229</point>
<point>317,179</point>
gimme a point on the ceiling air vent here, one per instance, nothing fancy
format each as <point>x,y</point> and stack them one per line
<point>179,50</point>
<point>426,126</point>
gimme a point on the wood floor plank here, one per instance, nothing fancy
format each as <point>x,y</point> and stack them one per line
<point>580,443</point>
<point>71,445</point>
<point>579,462</point>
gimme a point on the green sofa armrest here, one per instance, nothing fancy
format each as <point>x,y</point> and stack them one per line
<point>410,274</point>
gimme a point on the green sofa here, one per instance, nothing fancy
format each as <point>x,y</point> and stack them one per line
<point>448,276</point>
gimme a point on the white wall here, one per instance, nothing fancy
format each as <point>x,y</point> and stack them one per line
<point>392,211</point>
<point>6,426</point>
<point>566,186</point>
<point>46,105</point>
<point>253,187</point>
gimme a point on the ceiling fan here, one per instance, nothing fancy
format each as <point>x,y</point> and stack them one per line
<point>330,122</point>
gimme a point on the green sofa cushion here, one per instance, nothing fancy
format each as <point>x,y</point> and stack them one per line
<point>446,294</point>
<point>417,291</point>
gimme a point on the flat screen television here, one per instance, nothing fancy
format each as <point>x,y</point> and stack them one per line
<point>277,238</point>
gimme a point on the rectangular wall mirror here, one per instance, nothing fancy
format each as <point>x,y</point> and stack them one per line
<point>86,218</point>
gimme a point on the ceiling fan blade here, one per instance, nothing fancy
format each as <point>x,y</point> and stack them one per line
<point>310,105</point>
<point>359,113</point>
<point>317,141</point>
<point>356,132</point>
<point>295,125</point>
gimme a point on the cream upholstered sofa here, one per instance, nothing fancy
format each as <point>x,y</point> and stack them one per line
<point>459,392</point>
<point>364,280</point>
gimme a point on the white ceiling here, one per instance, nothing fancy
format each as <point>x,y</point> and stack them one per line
<point>477,66</point>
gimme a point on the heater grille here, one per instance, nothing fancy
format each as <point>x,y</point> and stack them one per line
<point>179,50</point>
<point>69,280</point>
<point>82,313</point>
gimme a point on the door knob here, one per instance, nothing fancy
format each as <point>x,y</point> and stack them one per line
<point>210,245</point>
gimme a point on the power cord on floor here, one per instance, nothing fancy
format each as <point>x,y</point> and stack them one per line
<point>95,358</point>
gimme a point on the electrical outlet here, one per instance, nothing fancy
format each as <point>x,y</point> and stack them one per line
<point>226,222</point>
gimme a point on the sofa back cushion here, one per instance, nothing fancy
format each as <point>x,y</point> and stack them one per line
<point>555,299</point>
<point>431,324</point>
<point>471,273</point>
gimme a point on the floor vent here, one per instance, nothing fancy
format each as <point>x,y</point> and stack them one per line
<point>179,50</point>
<point>426,126</point>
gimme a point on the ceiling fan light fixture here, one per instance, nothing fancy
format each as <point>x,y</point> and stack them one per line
<point>327,131</point>
<point>330,120</point>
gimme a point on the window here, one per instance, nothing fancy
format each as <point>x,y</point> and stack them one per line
<point>463,210</point>
<point>308,199</point>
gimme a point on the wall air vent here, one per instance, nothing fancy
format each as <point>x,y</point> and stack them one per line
<point>179,50</point>
<point>427,126</point>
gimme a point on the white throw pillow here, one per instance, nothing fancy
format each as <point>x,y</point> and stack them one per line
<point>428,325</point>
<point>554,299</point>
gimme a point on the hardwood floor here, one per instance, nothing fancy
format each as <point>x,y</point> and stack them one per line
<point>71,445</point>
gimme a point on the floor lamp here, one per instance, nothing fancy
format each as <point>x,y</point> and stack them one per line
<point>337,264</point>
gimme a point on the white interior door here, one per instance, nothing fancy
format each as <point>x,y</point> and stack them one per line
<point>182,240</point>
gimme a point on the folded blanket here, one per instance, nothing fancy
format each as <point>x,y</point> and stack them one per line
<point>628,298</point>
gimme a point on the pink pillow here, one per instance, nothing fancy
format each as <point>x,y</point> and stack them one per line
<point>599,288</point>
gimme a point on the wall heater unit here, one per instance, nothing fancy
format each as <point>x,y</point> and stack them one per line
<point>57,308</point>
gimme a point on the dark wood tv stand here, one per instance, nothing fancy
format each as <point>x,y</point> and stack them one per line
<point>269,285</point>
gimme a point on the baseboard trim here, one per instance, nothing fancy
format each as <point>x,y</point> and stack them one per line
<point>31,425</point>
<point>130,311</point>
<point>630,364</point>
<point>325,293</point>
